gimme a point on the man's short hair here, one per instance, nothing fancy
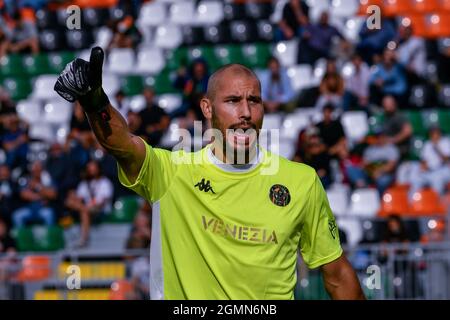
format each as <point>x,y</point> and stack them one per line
<point>215,77</point>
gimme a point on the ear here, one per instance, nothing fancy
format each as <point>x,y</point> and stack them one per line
<point>206,106</point>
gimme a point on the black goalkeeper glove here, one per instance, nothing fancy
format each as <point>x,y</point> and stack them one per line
<point>81,80</point>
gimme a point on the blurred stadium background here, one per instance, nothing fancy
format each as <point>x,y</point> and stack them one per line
<point>368,109</point>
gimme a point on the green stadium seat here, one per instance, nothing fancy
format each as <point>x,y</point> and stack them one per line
<point>228,54</point>
<point>375,122</point>
<point>58,60</point>
<point>39,238</point>
<point>203,52</point>
<point>132,85</point>
<point>417,122</point>
<point>444,120</point>
<point>11,65</point>
<point>36,64</point>
<point>124,210</point>
<point>416,147</point>
<point>177,58</point>
<point>162,82</point>
<point>18,88</point>
<point>256,55</point>
<point>312,289</point>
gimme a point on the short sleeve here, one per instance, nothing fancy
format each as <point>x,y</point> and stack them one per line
<point>319,236</point>
<point>155,175</point>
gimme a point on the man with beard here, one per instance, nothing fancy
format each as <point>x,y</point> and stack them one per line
<point>228,220</point>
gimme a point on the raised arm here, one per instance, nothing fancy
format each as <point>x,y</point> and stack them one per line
<point>82,81</point>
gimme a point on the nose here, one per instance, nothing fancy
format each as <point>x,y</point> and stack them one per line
<point>244,111</point>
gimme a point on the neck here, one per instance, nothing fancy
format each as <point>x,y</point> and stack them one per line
<point>232,158</point>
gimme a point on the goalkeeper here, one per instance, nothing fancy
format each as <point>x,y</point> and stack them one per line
<point>222,228</point>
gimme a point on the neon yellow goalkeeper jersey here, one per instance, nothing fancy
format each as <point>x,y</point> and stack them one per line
<point>219,233</point>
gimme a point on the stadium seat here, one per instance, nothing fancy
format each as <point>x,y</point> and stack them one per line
<point>344,8</point>
<point>46,19</point>
<point>234,11</point>
<point>36,64</point>
<point>121,61</point>
<point>293,123</point>
<point>300,76</point>
<point>209,13</point>
<point>121,290</point>
<point>444,96</point>
<point>192,35</point>
<point>392,8</point>
<point>168,36</point>
<point>444,121</point>
<point>316,9</point>
<point>364,5</point>
<point>202,52</point>
<point>286,149</point>
<point>228,54</point>
<point>427,202</point>
<point>111,83</point>
<point>95,17</point>
<point>152,14</point>
<point>79,39</point>
<point>416,121</point>
<point>286,52</point>
<point>96,3</point>
<point>40,238</point>
<point>394,201</point>
<point>17,88</point>
<point>375,122</point>
<point>258,10</point>
<point>43,87</point>
<point>421,96</point>
<point>352,27</point>
<point>444,5</point>
<point>58,60</point>
<point>352,228</point>
<point>355,125</point>
<point>427,6</point>
<point>132,85</point>
<point>51,40</point>
<point>182,12</point>
<point>29,111</point>
<point>103,37</point>
<point>416,147</point>
<point>277,12</point>
<point>35,268</point>
<point>169,101</point>
<point>265,30</point>
<point>243,31</point>
<point>364,203</point>
<point>161,82</point>
<point>124,210</point>
<point>137,103</point>
<point>11,65</point>
<point>256,55</point>
<point>338,200</point>
<point>57,111</point>
<point>217,33</point>
<point>437,25</point>
<point>149,61</point>
<point>42,131</point>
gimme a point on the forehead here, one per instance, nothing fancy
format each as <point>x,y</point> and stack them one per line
<point>232,82</point>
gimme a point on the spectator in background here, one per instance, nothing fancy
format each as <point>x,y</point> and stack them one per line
<point>380,161</point>
<point>275,86</point>
<point>6,104</point>
<point>134,123</point>
<point>294,19</point>
<point>22,37</point>
<point>37,191</point>
<point>7,244</point>
<point>79,122</point>
<point>126,34</point>
<point>93,197</point>
<point>7,189</point>
<point>356,94</point>
<point>331,87</point>
<point>193,83</point>
<point>332,133</point>
<point>435,164</point>
<point>396,127</point>
<point>14,141</point>
<point>316,40</point>
<point>155,120</point>
<point>388,78</point>
<point>315,155</point>
<point>121,104</point>
<point>411,53</point>
<point>374,40</point>
<point>140,235</point>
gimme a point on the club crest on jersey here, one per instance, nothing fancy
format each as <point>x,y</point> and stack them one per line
<point>279,195</point>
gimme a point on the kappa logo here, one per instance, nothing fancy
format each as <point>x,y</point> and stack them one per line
<point>204,186</point>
